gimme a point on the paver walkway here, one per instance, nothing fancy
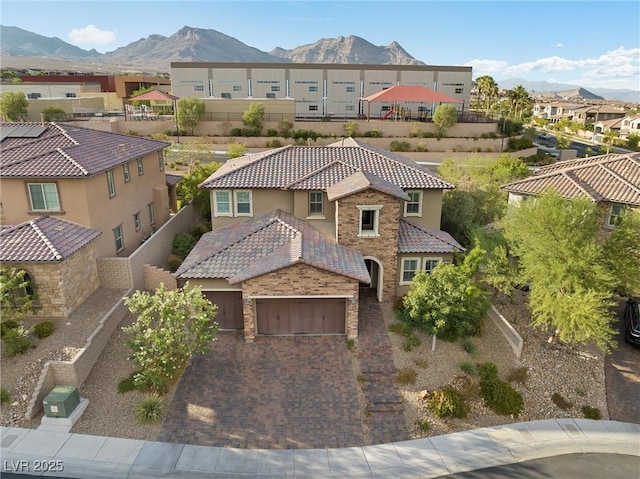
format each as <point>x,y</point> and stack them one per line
<point>384,403</point>
<point>277,393</point>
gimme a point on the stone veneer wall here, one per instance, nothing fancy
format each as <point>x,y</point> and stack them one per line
<point>299,280</point>
<point>62,286</point>
<point>384,247</point>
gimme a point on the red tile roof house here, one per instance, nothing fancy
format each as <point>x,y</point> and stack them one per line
<point>70,195</point>
<point>612,181</point>
<point>298,231</point>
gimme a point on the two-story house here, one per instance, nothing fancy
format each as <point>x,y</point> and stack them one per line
<point>110,182</point>
<point>298,231</point>
<point>70,195</point>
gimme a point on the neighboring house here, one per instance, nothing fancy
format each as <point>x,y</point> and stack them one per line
<point>605,126</point>
<point>593,114</point>
<point>553,111</point>
<point>612,181</point>
<point>298,231</point>
<point>110,182</point>
<point>58,258</point>
<point>630,126</point>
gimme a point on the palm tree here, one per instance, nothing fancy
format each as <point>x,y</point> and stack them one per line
<point>488,89</point>
<point>519,99</point>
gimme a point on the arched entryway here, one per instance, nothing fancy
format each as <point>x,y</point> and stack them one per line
<point>376,271</point>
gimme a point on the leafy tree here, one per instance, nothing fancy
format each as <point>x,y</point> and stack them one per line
<point>633,141</point>
<point>13,105</point>
<point>17,298</point>
<point>54,113</point>
<point>563,141</point>
<point>253,117</point>
<point>236,150</point>
<point>622,248</point>
<point>284,128</point>
<point>569,265</point>
<point>448,302</point>
<point>351,128</point>
<point>170,327</point>
<point>445,116</point>
<point>190,112</point>
<point>488,89</point>
<point>189,191</point>
<point>608,139</point>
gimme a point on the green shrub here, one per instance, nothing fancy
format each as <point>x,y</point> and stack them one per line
<point>151,381</point>
<point>372,134</point>
<point>488,371</point>
<point>16,341</point>
<point>469,368</point>
<point>469,347</point>
<point>447,402</point>
<point>127,384</point>
<point>423,425</point>
<point>516,144</point>
<point>560,401</point>
<point>272,132</point>
<point>396,328</point>
<point>518,375</point>
<point>174,262</point>
<point>421,363</point>
<point>400,146</point>
<point>274,144</point>
<point>500,397</point>
<point>44,329</point>
<point>183,243</point>
<point>7,325</point>
<point>150,410</point>
<point>351,344</point>
<point>590,412</point>
<point>412,341</point>
<point>5,395</point>
<point>199,230</point>
<point>406,376</point>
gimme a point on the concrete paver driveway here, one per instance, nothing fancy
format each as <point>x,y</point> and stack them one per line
<point>278,393</point>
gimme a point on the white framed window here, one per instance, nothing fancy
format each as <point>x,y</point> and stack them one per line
<point>161,161</point>
<point>125,172</point>
<point>614,215</point>
<point>369,220</point>
<point>136,220</point>
<point>111,185</point>
<point>152,213</point>
<point>313,107</point>
<point>117,237</point>
<point>316,203</point>
<point>429,264</point>
<point>413,207</point>
<point>44,196</point>
<point>222,203</point>
<point>140,167</point>
<point>410,266</point>
<point>242,200</point>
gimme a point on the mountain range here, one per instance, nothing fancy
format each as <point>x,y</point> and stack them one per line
<point>22,49</point>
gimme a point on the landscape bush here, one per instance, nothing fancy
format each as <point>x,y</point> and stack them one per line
<point>447,402</point>
<point>406,376</point>
<point>501,398</point>
<point>16,341</point>
<point>590,412</point>
<point>272,132</point>
<point>128,384</point>
<point>516,144</point>
<point>44,329</point>
<point>412,341</point>
<point>469,347</point>
<point>274,144</point>
<point>150,410</point>
<point>183,243</point>
<point>469,368</point>
<point>400,146</point>
<point>372,134</point>
<point>8,325</point>
<point>173,262</point>
<point>5,396</point>
<point>560,401</point>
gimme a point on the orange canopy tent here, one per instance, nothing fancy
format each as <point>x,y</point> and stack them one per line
<point>409,93</point>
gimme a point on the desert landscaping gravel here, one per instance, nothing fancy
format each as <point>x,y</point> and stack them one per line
<point>576,373</point>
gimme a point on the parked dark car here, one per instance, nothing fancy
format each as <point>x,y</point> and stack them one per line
<point>632,322</point>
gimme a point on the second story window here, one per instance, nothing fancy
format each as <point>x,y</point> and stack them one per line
<point>222,203</point>
<point>152,214</point>
<point>614,216</point>
<point>316,204</point>
<point>117,237</point>
<point>44,196</point>
<point>125,172</point>
<point>136,220</point>
<point>243,203</point>
<point>111,185</point>
<point>369,220</point>
<point>413,207</point>
<point>140,167</point>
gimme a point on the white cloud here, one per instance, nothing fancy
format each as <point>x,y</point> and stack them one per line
<point>557,45</point>
<point>90,35</point>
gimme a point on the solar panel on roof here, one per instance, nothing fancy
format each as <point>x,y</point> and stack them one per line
<point>22,132</point>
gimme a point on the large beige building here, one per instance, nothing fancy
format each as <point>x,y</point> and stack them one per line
<point>319,90</point>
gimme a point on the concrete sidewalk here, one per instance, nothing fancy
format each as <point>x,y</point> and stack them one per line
<point>84,456</point>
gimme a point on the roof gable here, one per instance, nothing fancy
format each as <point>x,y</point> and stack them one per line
<point>45,239</point>
<point>68,151</point>
<point>361,181</point>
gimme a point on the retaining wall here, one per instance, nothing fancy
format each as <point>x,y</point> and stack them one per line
<point>510,334</point>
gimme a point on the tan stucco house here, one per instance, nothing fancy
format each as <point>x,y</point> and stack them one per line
<point>297,232</point>
<point>110,182</point>
<point>612,181</point>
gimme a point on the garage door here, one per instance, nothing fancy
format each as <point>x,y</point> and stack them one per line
<point>301,316</point>
<point>229,308</point>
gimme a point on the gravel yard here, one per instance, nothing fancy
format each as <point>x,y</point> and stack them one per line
<point>575,373</point>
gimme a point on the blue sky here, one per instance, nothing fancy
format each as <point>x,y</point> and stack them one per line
<point>587,43</point>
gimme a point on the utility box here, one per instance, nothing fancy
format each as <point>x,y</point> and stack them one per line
<point>61,401</point>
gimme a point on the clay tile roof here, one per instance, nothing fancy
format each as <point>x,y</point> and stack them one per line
<point>412,93</point>
<point>414,238</point>
<point>172,179</point>
<point>360,181</point>
<point>265,244</point>
<point>68,151</point>
<point>613,178</point>
<point>44,239</point>
<point>320,167</point>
